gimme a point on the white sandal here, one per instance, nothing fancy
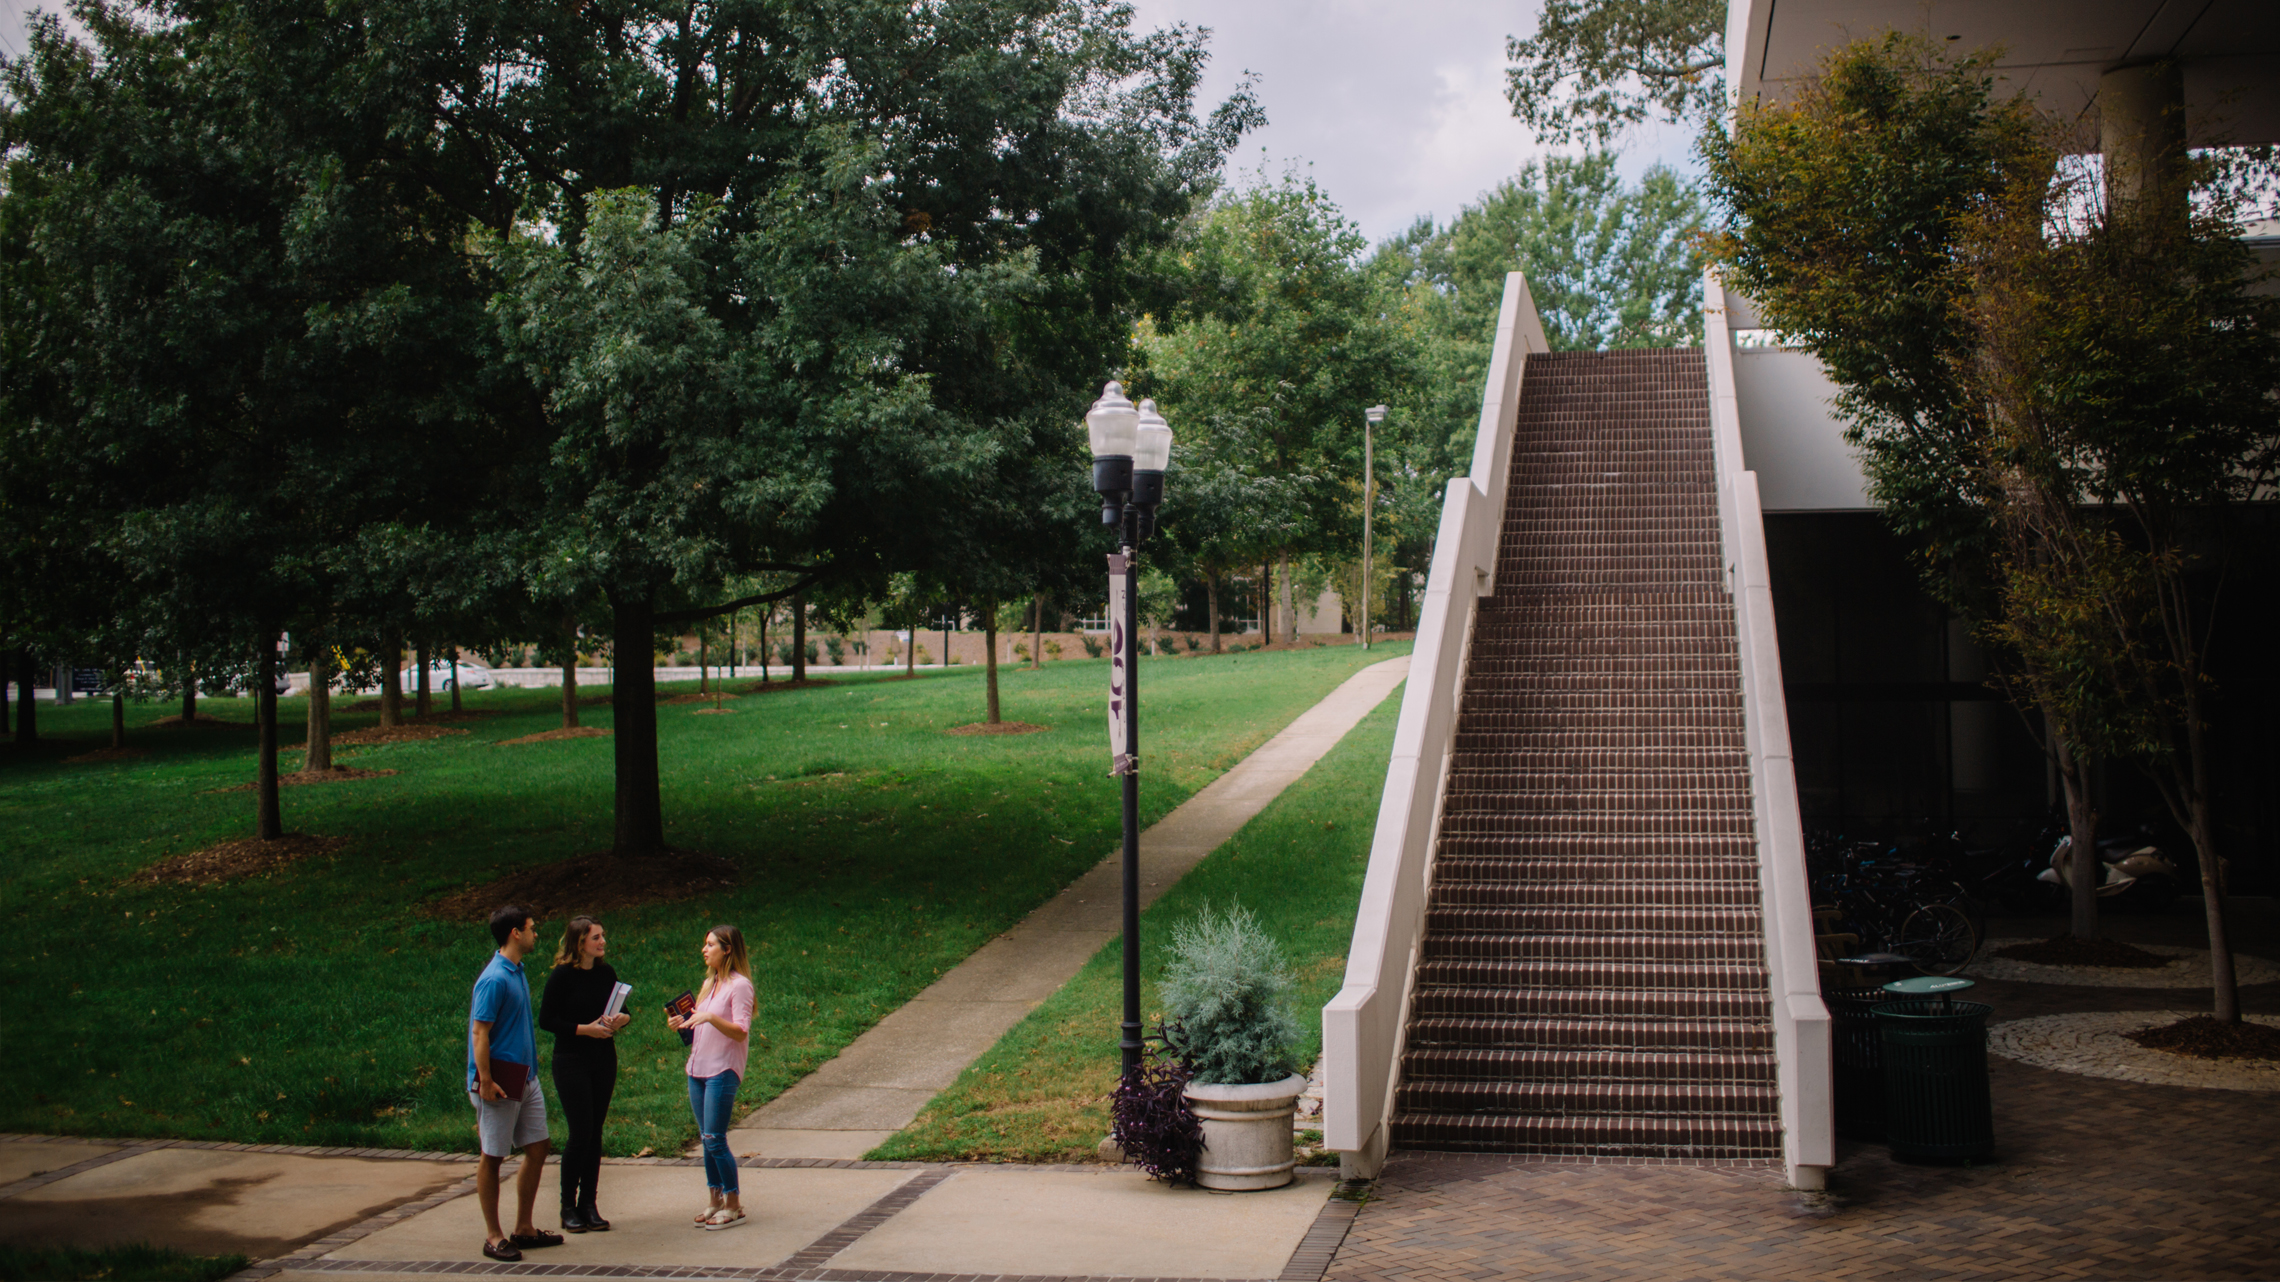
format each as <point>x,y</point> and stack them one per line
<point>735,1216</point>
<point>704,1218</point>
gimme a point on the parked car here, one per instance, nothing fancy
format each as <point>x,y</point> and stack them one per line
<point>472,675</point>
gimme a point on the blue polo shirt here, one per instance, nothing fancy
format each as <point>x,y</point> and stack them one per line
<point>502,999</point>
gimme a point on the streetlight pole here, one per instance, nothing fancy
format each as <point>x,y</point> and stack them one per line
<point>1371,417</point>
<point>1131,448</point>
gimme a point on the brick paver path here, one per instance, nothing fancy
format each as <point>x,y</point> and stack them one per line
<point>2092,1179</point>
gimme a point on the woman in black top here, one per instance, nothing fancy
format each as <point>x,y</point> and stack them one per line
<point>585,1061</point>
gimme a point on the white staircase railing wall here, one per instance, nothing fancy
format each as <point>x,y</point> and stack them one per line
<point>1362,1025</point>
<point>1800,1020</point>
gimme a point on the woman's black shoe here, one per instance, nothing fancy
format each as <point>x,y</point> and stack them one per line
<point>593,1218</point>
<point>574,1221</point>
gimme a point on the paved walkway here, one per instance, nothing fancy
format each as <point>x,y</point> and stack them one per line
<point>2092,1178</point>
<point>880,1082</point>
<point>309,1214</point>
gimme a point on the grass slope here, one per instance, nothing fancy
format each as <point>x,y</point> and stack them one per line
<point>322,1005</point>
<point>1041,1094</point>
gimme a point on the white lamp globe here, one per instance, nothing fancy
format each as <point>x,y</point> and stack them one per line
<point>1152,442</point>
<point>1111,423</point>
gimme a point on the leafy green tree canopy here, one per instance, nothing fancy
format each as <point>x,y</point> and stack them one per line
<point>1596,67</point>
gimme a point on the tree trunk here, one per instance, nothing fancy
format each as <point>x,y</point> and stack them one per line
<point>420,656</point>
<point>269,822</point>
<point>799,639</point>
<point>570,692</point>
<point>640,803</point>
<point>452,653</point>
<point>189,692</point>
<point>704,659</point>
<point>910,648</point>
<point>1037,637</point>
<point>27,711</point>
<point>2189,773</point>
<point>392,683</point>
<point>763,645</point>
<point>1266,600</point>
<point>119,715</point>
<point>989,636</point>
<point>7,678</point>
<point>1289,609</point>
<point>319,753</point>
<point>2085,871</point>
<point>1211,594</point>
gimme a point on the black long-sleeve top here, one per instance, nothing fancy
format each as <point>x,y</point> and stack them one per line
<point>573,997</point>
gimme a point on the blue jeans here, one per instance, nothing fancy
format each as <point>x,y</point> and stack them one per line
<point>711,1099</point>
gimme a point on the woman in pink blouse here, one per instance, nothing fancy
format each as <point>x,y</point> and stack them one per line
<point>722,1033</point>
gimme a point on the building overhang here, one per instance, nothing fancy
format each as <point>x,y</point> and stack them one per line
<point>2054,50</point>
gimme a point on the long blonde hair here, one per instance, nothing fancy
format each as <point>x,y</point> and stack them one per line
<point>731,943</point>
<point>573,939</point>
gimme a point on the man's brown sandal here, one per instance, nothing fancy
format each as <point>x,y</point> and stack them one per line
<point>536,1238</point>
<point>502,1250</point>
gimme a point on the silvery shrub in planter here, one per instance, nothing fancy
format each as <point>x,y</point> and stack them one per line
<point>1226,994</point>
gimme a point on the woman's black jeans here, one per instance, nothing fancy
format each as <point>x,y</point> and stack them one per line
<point>584,1084</point>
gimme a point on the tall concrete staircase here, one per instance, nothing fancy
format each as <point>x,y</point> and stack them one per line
<point>1592,978</point>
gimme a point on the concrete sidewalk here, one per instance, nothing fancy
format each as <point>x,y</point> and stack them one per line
<point>305,1214</point>
<point>880,1082</point>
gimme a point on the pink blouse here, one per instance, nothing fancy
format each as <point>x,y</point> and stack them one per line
<point>715,1052</point>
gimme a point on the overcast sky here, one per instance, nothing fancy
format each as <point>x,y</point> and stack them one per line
<point>1397,105</point>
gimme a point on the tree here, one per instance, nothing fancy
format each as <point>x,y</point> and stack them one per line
<point>1274,344</point>
<point>250,318</point>
<point>1844,210</point>
<point>877,251</point>
<point>1596,67</point>
<point>2129,379</point>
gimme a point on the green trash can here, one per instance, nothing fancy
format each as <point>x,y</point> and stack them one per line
<point>1936,1103</point>
<point>1856,1060</point>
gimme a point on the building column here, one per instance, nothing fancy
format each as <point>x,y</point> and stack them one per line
<point>2141,132</point>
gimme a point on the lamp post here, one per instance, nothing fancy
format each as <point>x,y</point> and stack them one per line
<point>1371,417</point>
<point>1131,447</point>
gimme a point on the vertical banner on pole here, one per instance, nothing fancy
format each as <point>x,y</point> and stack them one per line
<point>1119,688</point>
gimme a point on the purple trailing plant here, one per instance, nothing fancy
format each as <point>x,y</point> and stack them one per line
<point>1152,1122</point>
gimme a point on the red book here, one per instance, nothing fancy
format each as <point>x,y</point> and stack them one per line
<point>685,1005</point>
<point>510,1076</point>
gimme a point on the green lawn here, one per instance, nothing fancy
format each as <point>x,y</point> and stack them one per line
<point>1041,1094</point>
<point>113,1264</point>
<point>322,1006</point>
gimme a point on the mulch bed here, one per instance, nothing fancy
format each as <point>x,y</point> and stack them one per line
<point>1002,727</point>
<point>404,709</point>
<point>2066,950</point>
<point>397,734</point>
<point>771,687</point>
<point>201,722</point>
<point>2203,1037</point>
<point>696,698</point>
<point>592,883</point>
<point>232,860</point>
<point>110,754</point>
<point>566,732</point>
<point>713,712</point>
<point>302,778</point>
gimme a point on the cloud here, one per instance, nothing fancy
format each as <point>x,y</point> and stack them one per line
<point>1398,109</point>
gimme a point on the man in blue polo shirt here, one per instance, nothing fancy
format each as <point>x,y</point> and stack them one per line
<point>502,1082</point>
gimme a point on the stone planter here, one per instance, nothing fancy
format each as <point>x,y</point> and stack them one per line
<point>1246,1133</point>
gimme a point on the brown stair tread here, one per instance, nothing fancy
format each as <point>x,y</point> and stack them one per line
<point>1612,1033</point>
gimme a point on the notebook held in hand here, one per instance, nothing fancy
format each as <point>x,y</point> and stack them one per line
<point>685,1005</point>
